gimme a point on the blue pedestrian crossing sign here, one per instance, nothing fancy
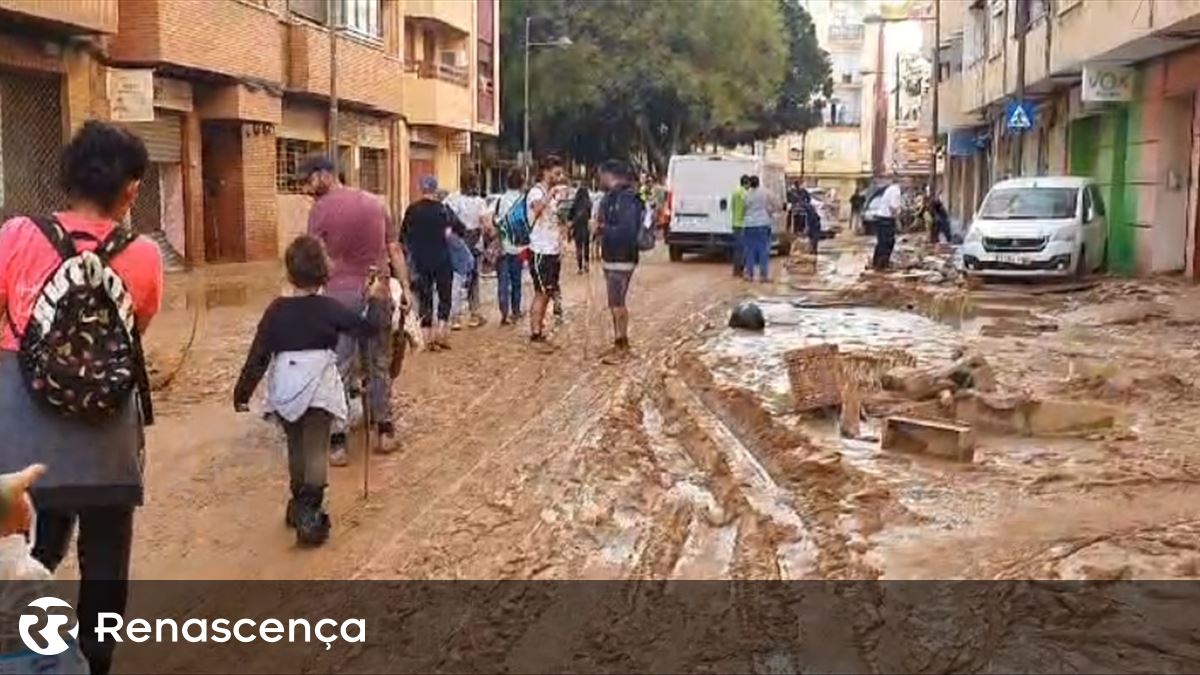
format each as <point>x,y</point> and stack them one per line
<point>1018,116</point>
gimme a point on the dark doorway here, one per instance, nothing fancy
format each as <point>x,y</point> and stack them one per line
<point>224,218</point>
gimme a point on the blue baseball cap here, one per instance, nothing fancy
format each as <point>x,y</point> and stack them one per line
<point>429,185</point>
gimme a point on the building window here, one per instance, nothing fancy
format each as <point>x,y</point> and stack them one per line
<point>361,16</point>
<point>289,153</point>
<point>316,10</point>
<point>372,170</point>
<point>997,28</point>
<point>845,67</point>
<point>975,37</point>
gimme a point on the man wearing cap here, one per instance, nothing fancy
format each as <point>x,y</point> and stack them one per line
<point>357,232</point>
<point>424,231</point>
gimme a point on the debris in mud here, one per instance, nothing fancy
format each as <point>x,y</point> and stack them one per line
<point>800,260</point>
<point>1006,327</point>
<point>969,372</point>
<point>947,440</point>
<point>1021,415</point>
<point>866,369</point>
<point>850,419</point>
<point>747,316</point>
<point>815,377</point>
<point>1124,312</point>
<point>1107,381</point>
<point>931,266</point>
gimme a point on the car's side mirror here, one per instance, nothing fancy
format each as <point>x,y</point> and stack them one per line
<point>724,204</point>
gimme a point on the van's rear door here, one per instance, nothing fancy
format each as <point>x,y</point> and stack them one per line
<point>701,190</point>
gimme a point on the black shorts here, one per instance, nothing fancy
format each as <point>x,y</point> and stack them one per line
<point>617,283</point>
<point>545,271</point>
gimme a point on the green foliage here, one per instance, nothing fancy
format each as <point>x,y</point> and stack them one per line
<point>647,78</point>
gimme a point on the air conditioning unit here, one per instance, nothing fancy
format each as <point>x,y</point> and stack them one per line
<point>454,57</point>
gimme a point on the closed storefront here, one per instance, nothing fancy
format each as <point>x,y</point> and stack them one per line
<point>159,209</point>
<point>31,136</point>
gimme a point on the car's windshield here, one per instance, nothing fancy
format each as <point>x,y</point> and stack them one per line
<point>1029,203</point>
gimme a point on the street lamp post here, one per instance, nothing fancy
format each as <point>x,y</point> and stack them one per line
<point>525,107</point>
<point>560,42</point>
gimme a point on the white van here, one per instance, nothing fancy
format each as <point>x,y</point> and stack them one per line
<point>699,194</point>
<point>1046,226</point>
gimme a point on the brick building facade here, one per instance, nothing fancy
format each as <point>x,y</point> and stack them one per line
<point>240,96</point>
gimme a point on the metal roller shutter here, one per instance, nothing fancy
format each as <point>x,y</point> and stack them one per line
<point>31,138</point>
<point>162,137</point>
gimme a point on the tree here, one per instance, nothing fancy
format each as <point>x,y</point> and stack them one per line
<point>647,79</point>
<point>806,86</point>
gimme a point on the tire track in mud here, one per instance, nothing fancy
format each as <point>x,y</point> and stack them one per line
<point>823,488</point>
<point>517,461</point>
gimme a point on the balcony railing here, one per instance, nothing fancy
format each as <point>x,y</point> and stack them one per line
<point>445,72</point>
<point>846,32</point>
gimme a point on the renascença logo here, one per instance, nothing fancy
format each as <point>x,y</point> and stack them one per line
<point>51,632</point>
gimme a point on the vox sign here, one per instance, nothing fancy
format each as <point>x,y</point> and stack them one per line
<point>1107,84</point>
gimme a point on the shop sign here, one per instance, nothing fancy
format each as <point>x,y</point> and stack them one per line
<point>131,94</point>
<point>1107,84</point>
<point>172,94</point>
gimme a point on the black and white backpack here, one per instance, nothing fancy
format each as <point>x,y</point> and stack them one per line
<point>81,354</point>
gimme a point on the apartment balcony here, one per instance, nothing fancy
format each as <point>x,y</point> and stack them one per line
<point>86,16</point>
<point>952,110</point>
<point>486,110</point>
<point>846,33</point>
<point>973,100</point>
<point>848,81</point>
<point>438,94</point>
<point>238,39</point>
<point>367,75</point>
<point>458,14</point>
<point>1119,31</point>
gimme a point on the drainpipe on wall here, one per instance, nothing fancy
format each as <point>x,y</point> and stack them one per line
<point>1021,23</point>
<point>331,9</point>
<point>879,138</point>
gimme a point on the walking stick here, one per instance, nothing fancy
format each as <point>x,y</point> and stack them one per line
<point>363,394</point>
<point>364,390</point>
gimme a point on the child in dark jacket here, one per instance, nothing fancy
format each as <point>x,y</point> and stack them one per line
<point>294,347</point>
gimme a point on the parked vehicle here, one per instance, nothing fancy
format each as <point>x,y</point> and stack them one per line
<point>699,190</point>
<point>1045,226</point>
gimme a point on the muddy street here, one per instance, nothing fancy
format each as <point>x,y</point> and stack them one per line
<point>691,461</point>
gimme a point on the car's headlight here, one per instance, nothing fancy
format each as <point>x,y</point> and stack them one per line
<point>1066,234</point>
<point>973,235</point>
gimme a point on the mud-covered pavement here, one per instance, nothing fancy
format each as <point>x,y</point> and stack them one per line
<point>688,462</point>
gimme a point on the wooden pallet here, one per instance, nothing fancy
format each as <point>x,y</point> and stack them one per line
<point>815,375</point>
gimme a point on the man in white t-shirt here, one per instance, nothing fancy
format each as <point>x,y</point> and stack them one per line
<point>471,209</point>
<point>545,241</point>
<point>891,203</point>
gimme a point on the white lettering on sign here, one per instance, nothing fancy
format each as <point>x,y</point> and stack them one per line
<point>1108,83</point>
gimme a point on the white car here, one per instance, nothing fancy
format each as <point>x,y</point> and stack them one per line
<point>1045,226</point>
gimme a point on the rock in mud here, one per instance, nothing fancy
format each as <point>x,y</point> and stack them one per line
<point>747,316</point>
<point>969,372</point>
<point>916,383</point>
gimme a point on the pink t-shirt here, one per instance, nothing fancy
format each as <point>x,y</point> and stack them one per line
<point>27,260</point>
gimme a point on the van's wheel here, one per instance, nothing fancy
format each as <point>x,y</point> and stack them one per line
<point>1081,265</point>
<point>675,253</point>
